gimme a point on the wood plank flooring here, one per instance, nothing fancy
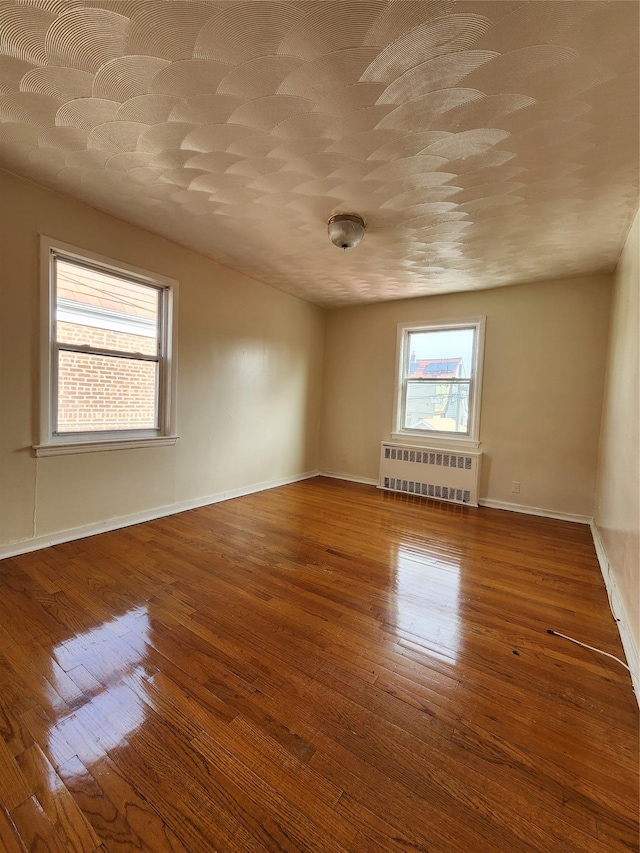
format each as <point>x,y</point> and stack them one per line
<point>322,667</point>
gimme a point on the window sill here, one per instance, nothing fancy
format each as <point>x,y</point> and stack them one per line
<point>429,440</point>
<point>68,447</point>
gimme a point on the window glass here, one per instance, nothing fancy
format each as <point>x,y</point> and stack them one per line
<point>104,311</point>
<point>438,380</point>
<point>98,392</point>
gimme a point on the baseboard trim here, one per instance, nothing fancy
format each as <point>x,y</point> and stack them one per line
<point>618,609</point>
<point>24,546</point>
<point>366,481</point>
<point>509,507</point>
<point>535,510</point>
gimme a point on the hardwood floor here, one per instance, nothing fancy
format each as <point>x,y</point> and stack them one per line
<point>321,667</point>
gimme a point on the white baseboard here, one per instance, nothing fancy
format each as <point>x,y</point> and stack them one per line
<point>366,481</point>
<point>510,507</point>
<point>616,602</point>
<point>24,546</point>
<point>535,510</point>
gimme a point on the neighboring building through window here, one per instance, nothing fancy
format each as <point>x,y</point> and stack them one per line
<point>439,367</point>
<point>108,360</point>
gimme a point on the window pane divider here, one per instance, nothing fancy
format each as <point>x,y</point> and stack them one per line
<point>87,350</point>
<point>440,381</point>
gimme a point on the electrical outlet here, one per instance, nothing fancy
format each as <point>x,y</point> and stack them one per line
<point>515,486</point>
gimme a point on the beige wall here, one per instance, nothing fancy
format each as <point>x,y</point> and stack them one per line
<point>617,512</point>
<point>544,367</point>
<point>250,362</point>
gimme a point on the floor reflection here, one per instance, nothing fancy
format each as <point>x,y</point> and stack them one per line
<point>427,598</point>
<point>109,672</point>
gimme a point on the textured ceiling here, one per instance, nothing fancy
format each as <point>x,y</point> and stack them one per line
<point>485,143</point>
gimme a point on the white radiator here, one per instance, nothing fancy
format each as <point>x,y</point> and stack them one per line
<point>430,472</point>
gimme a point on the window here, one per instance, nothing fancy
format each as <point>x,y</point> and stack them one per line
<point>108,360</point>
<point>439,373</point>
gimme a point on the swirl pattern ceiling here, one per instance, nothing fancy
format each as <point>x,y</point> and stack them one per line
<point>485,143</point>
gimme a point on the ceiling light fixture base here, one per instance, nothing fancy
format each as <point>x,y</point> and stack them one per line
<point>346,230</point>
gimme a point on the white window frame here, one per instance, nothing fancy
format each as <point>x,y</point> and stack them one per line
<point>439,437</point>
<point>52,443</point>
